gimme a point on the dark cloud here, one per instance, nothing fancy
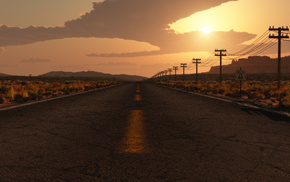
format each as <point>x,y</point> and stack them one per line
<point>35,60</point>
<point>139,20</point>
<point>130,54</point>
<point>116,64</point>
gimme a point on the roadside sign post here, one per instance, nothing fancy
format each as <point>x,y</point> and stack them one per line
<point>240,75</point>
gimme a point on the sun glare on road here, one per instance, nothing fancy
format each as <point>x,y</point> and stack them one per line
<point>206,30</point>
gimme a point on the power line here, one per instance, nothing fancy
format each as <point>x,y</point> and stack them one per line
<point>264,49</point>
<point>252,44</point>
<point>261,44</point>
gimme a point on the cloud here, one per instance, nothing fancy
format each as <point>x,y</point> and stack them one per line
<point>116,64</point>
<point>144,21</point>
<point>35,60</point>
<point>2,49</point>
<point>129,54</point>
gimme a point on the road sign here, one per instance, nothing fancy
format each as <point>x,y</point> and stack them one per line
<point>240,75</point>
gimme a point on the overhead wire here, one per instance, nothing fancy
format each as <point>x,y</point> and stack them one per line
<point>254,43</point>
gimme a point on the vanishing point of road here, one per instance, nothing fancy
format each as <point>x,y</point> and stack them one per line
<point>142,132</point>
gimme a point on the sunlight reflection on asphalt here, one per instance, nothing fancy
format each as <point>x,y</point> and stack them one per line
<point>134,140</point>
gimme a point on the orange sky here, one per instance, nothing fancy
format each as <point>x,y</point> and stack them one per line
<point>128,36</point>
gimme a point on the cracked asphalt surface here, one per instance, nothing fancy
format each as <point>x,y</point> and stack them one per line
<point>142,132</point>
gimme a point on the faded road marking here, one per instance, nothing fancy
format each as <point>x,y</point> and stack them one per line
<point>134,140</point>
<point>137,97</point>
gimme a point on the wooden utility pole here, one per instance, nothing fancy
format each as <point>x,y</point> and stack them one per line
<point>175,68</point>
<point>161,73</point>
<point>183,65</point>
<point>279,37</point>
<point>196,62</point>
<point>165,72</point>
<point>169,71</point>
<point>220,54</point>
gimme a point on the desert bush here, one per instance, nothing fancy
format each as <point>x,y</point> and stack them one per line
<point>10,94</point>
<point>20,98</point>
<point>3,100</point>
<point>254,90</point>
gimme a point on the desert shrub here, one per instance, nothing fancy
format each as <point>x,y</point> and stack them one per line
<point>3,100</point>
<point>221,91</point>
<point>19,98</point>
<point>285,102</point>
<point>33,96</point>
<point>3,90</point>
<point>10,94</point>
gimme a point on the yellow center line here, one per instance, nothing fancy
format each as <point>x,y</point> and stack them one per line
<point>137,97</point>
<point>134,140</point>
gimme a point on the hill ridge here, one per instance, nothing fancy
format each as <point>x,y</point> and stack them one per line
<point>93,74</point>
<point>254,64</point>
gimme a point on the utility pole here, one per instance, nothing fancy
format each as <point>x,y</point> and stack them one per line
<point>175,68</point>
<point>169,70</point>
<point>196,62</point>
<point>183,65</point>
<point>161,77</point>
<point>279,37</point>
<point>165,71</point>
<point>221,59</point>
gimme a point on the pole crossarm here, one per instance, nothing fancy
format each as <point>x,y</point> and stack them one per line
<point>220,52</point>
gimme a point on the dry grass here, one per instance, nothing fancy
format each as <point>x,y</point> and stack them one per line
<point>23,90</point>
<point>262,92</point>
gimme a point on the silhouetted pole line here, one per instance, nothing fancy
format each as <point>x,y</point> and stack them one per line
<point>169,71</point>
<point>183,65</point>
<point>279,37</point>
<point>161,76</point>
<point>196,62</point>
<point>165,72</point>
<point>175,68</point>
<point>220,54</point>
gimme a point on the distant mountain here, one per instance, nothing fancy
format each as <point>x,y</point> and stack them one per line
<point>254,64</point>
<point>93,74</point>
<point>3,75</point>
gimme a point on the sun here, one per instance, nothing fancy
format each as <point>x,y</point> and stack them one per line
<point>206,30</point>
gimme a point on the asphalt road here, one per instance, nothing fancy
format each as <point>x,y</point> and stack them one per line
<point>142,132</point>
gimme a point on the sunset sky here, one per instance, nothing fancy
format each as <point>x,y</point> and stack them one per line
<point>140,37</point>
